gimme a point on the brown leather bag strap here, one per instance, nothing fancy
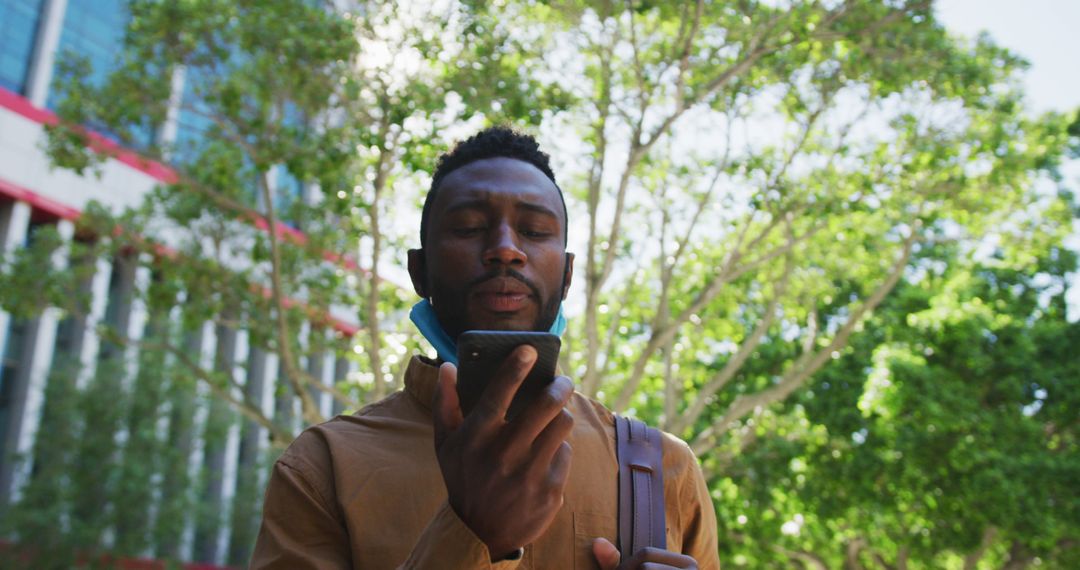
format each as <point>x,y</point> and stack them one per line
<point>641,486</point>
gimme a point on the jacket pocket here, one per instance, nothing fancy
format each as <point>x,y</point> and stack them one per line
<point>588,527</point>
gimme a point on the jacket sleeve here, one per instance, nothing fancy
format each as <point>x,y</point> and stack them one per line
<point>303,529</point>
<point>448,543</point>
<point>695,516</point>
<point>300,529</point>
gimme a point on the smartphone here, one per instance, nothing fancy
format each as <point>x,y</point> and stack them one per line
<point>481,353</point>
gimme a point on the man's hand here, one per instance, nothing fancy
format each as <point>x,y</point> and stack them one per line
<point>608,558</point>
<point>504,479</point>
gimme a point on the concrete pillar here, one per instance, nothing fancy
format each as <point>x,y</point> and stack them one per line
<point>272,181</point>
<point>216,455</point>
<point>166,135</point>
<point>231,460</point>
<point>161,481</point>
<point>14,223</point>
<point>287,410</point>
<point>135,320</point>
<point>268,393</point>
<point>249,480</point>
<point>91,343</point>
<point>41,341</point>
<point>208,340</point>
<point>327,405</point>
<point>316,368</point>
<point>114,369</point>
<point>342,367</point>
<point>258,389</point>
<point>48,41</point>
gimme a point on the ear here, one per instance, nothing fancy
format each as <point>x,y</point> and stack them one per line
<point>568,274</point>
<point>418,271</point>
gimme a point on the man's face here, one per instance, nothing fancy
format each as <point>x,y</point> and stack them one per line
<point>495,257</point>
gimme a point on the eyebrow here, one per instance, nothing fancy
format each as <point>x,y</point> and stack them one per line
<point>480,204</point>
<point>537,208</point>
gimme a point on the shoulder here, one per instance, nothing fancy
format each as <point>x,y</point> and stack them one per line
<point>591,414</point>
<point>679,460</point>
<point>678,457</point>
<point>352,438</point>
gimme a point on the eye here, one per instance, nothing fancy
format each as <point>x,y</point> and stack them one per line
<point>535,232</point>
<point>468,231</point>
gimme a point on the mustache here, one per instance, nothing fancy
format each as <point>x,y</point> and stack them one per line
<point>507,272</point>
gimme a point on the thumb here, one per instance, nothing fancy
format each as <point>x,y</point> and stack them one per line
<point>447,409</point>
<point>607,556</point>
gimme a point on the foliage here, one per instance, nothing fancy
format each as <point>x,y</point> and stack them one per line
<point>753,180</point>
<point>294,117</point>
<point>940,440</point>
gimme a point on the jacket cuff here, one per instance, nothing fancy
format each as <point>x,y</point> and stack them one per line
<point>448,543</point>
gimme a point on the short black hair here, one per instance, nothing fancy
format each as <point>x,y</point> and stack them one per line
<point>492,142</point>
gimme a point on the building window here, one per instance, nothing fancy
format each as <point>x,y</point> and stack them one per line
<point>288,189</point>
<point>197,130</point>
<point>118,306</point>
<point>18,28</point>
<point>193,121</point>
<point>288,196</point>
<point>71,331</point>
<point>94,30</point>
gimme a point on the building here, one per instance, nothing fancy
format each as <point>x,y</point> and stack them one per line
<point>213,500</point>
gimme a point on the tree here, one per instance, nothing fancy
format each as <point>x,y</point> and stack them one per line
<point>297,117</point>
<point>940,439</point>
<point>852,135</point>
<point>290,95</point>
<point>757,179</point>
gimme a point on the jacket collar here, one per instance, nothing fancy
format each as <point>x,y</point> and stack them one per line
<point>421,377</point>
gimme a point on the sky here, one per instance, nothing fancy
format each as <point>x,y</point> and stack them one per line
<point>1044,33</point>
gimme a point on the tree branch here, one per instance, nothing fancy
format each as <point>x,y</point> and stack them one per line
<point>732,366</point>
<point>809,362</point>
<point>725,275</point>
<point>807,559</point>
<point>590,380</point>
<point>297,380</point>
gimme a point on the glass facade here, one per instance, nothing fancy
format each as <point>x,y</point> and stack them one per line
<point>92,395</point>
<point>93,29</point>
<point>288,189</point>
<point>288,192</point>
<point>192,120</point>
<point>194,132</point>
<point>19,21</point>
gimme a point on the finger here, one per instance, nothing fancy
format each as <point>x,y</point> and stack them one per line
<point>659,557</point>
<point>551,439</point>
<point>545,407</point>
<point>445,403</point>
<point>501,389</point>
<point>607,556</point>
<point>560,465</point>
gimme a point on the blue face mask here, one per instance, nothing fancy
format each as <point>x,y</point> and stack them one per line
<point>423,316</point>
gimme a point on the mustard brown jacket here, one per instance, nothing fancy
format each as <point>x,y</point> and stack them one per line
<point>365,492</point>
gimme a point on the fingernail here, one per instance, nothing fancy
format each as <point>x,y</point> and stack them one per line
<point>527,355</point>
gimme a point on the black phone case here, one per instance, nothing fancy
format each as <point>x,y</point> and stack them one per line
<point>481,353</point>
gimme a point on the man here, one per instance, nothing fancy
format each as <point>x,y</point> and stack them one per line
<point>411,481</point>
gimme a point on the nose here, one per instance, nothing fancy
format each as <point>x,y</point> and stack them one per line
<point>502,247</point>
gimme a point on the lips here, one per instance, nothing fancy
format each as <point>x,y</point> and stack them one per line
<point>502,295</point>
